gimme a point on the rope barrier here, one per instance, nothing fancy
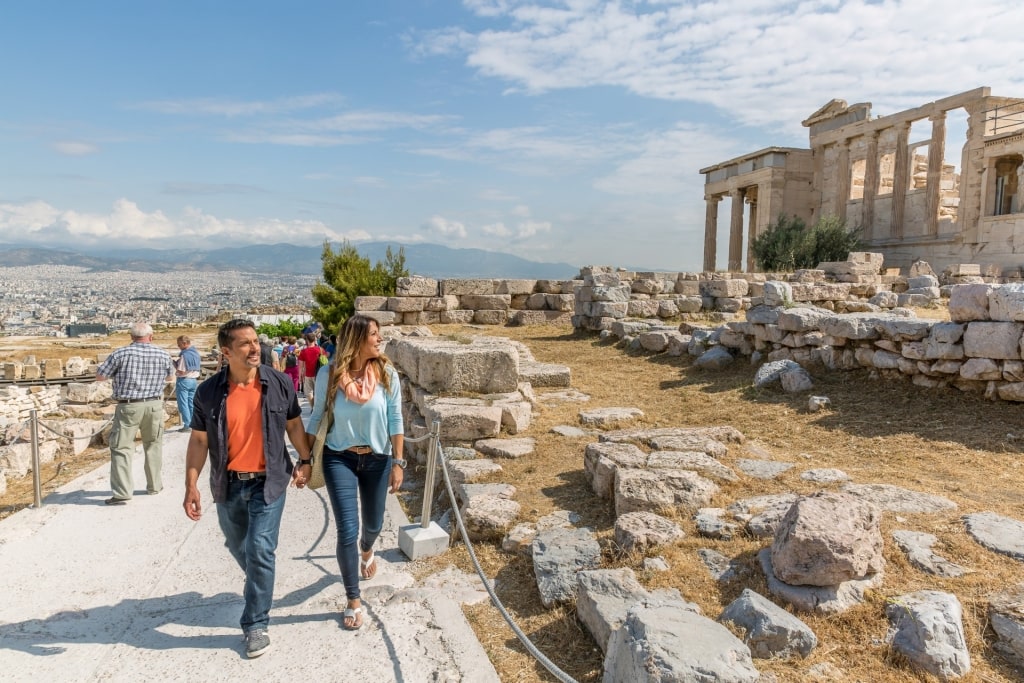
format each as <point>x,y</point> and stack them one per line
<point>99,431</point>
<point>523,638</point>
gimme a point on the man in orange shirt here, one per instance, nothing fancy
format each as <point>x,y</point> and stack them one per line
<point>241,417</point>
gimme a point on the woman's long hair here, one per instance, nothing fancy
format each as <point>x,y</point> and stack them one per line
<point>351,338</point>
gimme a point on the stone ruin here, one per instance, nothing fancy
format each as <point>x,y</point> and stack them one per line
<point>823,551</point>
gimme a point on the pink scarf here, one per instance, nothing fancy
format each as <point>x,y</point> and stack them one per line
<point>360,390</point>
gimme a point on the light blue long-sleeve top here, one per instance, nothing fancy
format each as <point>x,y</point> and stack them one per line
<point>367,424</point>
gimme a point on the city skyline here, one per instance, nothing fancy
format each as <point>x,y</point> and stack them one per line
<point>554,131</point>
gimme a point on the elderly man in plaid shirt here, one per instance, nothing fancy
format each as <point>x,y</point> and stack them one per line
<point>139,372</point>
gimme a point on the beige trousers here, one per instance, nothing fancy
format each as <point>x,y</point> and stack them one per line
<point>129,420</point>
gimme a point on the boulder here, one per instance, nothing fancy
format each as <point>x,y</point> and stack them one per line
<point>826,539</point>
<point>1006,615</point>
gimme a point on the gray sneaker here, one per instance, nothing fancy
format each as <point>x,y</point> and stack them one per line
<point>257,641</point>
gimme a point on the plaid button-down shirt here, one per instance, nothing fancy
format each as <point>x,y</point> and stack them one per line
<point>138,370</point>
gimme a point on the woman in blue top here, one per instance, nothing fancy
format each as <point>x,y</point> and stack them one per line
<point>359,391</point>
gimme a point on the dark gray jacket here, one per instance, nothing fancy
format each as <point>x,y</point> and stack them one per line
<point>278,405</point>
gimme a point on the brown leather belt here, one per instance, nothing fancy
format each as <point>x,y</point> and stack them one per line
<point>138,400</point>
<point>359,450</point>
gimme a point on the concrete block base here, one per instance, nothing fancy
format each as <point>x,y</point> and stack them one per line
<point>417,542</point>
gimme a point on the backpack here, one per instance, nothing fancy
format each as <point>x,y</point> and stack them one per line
<point>290,361</point>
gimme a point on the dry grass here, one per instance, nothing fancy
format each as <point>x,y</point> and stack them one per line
<point>941,441</point>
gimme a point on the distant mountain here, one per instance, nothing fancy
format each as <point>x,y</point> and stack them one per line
<point>431,260</point>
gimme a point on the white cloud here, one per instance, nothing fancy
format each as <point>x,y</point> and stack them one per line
<point>494,195</point>
<point>232,108</point>
<point>766,62</point>
<point>439,225</point>
<point>75,149</point>
<point>528,229</point>
<point>667,162</point>
<point>521,211</point>
<point>40,223</point>
<point>496,230</point>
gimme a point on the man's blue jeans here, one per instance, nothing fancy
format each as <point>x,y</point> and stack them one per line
<point>185,390</point>
<point>344,474</point>
<point>250,529</point>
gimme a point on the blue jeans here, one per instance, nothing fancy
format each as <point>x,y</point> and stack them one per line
<point>185,390</point>
<point>250,529</point>
<point>344,474</point>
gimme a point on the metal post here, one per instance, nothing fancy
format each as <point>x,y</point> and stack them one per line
<point>428,484</point>
<point>37,477</point>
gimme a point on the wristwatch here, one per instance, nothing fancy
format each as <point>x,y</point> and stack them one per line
<point>305,462</point>
<point>400,462</point>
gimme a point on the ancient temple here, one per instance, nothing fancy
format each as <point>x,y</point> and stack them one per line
<point>894,177</point>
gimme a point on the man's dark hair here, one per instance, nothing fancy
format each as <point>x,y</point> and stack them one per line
<point>226,332</point>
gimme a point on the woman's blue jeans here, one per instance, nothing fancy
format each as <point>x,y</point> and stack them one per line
<point>344,474</point>
<point>251,529</point>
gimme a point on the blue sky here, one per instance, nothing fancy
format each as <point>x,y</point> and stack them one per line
<point>557,131</point>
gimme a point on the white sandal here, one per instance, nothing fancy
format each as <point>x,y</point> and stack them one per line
<point>368,568</point>
<point>356,615</point>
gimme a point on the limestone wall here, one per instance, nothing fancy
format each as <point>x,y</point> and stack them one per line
<point>980,349</point>
<point>426,301</point>
<point>607,295</point>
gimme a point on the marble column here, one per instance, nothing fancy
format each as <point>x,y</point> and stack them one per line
<point>936,157</point>
<point>867,216</point>
<point>736,231</point>
<point>842,178</point>
<point>752,221</point>
<point>710,231</point>
<point>901,178</point>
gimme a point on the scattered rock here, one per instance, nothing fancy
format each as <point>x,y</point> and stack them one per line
<point>651,490</point>
<point>569,431</point>
<point>826,539</point>
<point>816,403</point>
<point>896,499</point>
<point>563,396</point>
<point>763,469</point>
<point>818,599</point>
<point>771,371</point>
<point>506,448</point>
<point>770,630</point>
<point>655,564</point>
<point>711,522</point>
<point>1006,614</point>
<point>721,567</point>
<point>605,417</point>
<point>997,533</point>
<point>489,517</point>
<point>666,642</point>
<point>690,460</point>
<point>825,476</point>
<point>929,631</point>
<point>796,381</point>
<point>639,530</point>
<point>918,547</point>
<point>715,358</point>
<point>464,471</point>
<point>558,554</point>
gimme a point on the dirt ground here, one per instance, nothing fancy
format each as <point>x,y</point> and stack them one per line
<point>878,431</point>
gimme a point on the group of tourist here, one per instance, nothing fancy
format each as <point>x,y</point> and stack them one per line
<point>239,418</point>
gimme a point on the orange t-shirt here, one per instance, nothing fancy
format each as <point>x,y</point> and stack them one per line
<point>245,428</point>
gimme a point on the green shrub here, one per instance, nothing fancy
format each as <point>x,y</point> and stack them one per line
<point>788,244</point>
<point>347,274</point>
<point>285,328</point>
